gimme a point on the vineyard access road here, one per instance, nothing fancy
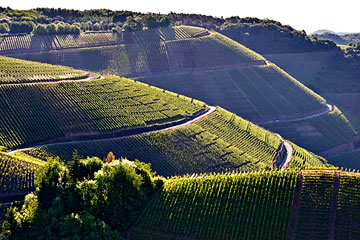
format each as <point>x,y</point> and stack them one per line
<point>329,108</point>
<point>90,76</point>
<point>288,153</point>
<point>163,127</point>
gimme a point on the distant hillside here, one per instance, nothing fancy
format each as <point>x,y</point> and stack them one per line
<point>341,39</point>
<point>312,204</point>
<point>319,32</point>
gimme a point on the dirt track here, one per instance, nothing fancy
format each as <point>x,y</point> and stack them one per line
<point>209,110</point>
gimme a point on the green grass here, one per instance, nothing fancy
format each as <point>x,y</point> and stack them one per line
<point>19,71</point>
<point>218,142</point>
<point>303,159</point>
<point>39,112</point>
<point>252,206</point>
<point>230,206</point>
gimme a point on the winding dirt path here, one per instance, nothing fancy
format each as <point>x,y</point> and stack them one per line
<point>329,108</point>
<point>164,127</point>
<point>288,153</point>
<point>90,76</point>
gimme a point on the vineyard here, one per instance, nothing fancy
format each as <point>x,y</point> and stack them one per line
<point>218,142</point>
<point>348,205</point>
<point>254,206</point>
<point>258,93</point>
<point>230,206</point>
<point>304,159</point>
<point>19,43</point>
<point>35,113</point>
<point>19,71</point>
<point>317,134</point>
<point>151,57</point>
<point>16,176</point>
<point>347,159</point>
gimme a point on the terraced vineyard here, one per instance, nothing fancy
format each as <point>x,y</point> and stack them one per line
<point>348,205</point>
<point>19,71</point>
<point>347,159</point>
<point>218,142</point>
<point>317,134</point>
<point>315,198</point>
<point>315,204</point>
<point>16,177</point>
<point>230,206</point>
<point>151,57</point>
<point>39,112</point>
<point>22,43</point>
<point>258,93</point>
<point>304,159</point>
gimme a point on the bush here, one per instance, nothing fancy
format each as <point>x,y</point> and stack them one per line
<point>4,28</point>
<point>22,27</point>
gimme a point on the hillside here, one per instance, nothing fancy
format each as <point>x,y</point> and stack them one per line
<point>17,176</point>
<point>343,39</point>
<point>33,113</point>
<point>311,204</point>
<point>218,142</point>
<point>13,71</point>
<point>228,75</point>
<point>226,66</point>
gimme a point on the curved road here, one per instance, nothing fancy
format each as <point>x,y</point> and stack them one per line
<point>210,110</point>
<point>90,76</point>
<point>329,108</point>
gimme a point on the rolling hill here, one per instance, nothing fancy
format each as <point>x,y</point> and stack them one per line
<point>210,67</point>
<point>176,134</point>
<point>218,142</point>
<point>310,204</point>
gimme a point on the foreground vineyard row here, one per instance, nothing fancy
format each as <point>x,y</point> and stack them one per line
<point>254,206</point>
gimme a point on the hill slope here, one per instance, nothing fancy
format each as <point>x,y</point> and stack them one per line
<point>228,74</point>
<point>218,142</point>
<point>312,204</point>
<point>14,71</point>
<point>45,111</point>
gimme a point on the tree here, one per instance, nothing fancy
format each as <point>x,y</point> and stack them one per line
<point>22,27</point>
<point>40,29</point>
<point>150,21</point>
<point>87,200</point>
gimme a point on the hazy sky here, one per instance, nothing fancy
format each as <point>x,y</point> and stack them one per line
<point>310,15</point>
